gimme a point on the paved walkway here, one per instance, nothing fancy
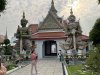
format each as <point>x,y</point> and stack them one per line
<point>47,66</point>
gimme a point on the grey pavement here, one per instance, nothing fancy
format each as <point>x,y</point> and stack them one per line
<point>47,66</point>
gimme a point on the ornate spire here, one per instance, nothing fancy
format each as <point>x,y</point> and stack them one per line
<point>23,14</point>
<point>71,18</point>
<point>24,21</point>
<point>71,11</point>
<point>53,7</point>
<point>52,2</point>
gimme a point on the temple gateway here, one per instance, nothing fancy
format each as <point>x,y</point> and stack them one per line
<point>51,35</point>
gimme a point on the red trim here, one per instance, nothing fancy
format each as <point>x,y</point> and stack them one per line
<point>48,38</point>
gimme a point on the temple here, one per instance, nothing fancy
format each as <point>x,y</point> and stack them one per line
<point>48,35</point>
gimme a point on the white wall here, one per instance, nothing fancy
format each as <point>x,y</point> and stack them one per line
<point>58,45</point>
<point>38,49</point>
<point>69,52</point>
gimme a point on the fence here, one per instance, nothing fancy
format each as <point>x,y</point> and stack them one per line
<point>7,57</point>
<point>64,66</point>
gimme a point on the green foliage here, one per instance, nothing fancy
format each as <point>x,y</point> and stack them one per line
<point>99,1</point>
<point>93,61</point>
<point>6,41</point>
<point>10,66</point>
<point>95,33</point>
<point>77,70</point>
<point>2,5</point>
<point>8,50</point>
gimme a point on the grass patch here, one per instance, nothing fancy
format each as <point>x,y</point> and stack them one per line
<point>10,67</point>
<point>77,70</point>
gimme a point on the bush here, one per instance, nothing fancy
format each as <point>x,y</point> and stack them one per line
<point>93,61</point>
<point>2,5</point>
<point>9,67</point>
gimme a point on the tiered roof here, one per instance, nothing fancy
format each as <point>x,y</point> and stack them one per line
<point>52,20</point>
<point>53,26</point>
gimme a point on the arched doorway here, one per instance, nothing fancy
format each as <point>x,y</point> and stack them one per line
<point>50,48</point>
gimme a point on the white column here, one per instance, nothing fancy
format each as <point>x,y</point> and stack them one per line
<point>39,48</point>
<point>58,46</point>
<point>80,52</point>
<point>74,40</point>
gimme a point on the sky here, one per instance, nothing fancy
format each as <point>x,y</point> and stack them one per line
<point>87,11</point>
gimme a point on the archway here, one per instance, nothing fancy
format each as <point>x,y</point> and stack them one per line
<point>50,48</point>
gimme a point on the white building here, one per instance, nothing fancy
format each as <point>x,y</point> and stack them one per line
<point>48,35</point>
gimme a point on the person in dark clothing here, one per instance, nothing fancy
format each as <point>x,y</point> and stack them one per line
<point>60,53</point>
<point>67,60</point>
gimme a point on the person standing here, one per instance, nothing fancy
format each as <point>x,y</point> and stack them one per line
<point>60,55</point>
<point>34,58</point>
<point>2,68</point>
<point>67,60</point>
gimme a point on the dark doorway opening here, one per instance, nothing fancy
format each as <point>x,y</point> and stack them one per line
<point>50,48</point>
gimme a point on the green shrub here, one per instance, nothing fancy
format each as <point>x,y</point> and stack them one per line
<point>9,67</point>
<point>77,70</point>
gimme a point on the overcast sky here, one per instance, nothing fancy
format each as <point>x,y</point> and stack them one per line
<point>36,10</point>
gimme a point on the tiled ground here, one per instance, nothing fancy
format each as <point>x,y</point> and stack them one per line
<point>47,66</point>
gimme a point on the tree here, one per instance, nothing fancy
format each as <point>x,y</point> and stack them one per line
<point>94,34</point>
<point>6,41</point>
<point>99,1</point>
<point>93,61</point>
<point>2,5</point>
<point>7,47</point>
<point>8,50</point>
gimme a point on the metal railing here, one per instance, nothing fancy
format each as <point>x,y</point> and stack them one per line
<point>6,58</point>
<point>64,65</point>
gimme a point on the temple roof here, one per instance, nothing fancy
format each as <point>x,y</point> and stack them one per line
<point>51,21</point>
<point>48,35</point>
<point>84,37</point>
<point>52,9</point>
<point>33,28</point>
<point>54,35</point>
<point>52,26</point>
